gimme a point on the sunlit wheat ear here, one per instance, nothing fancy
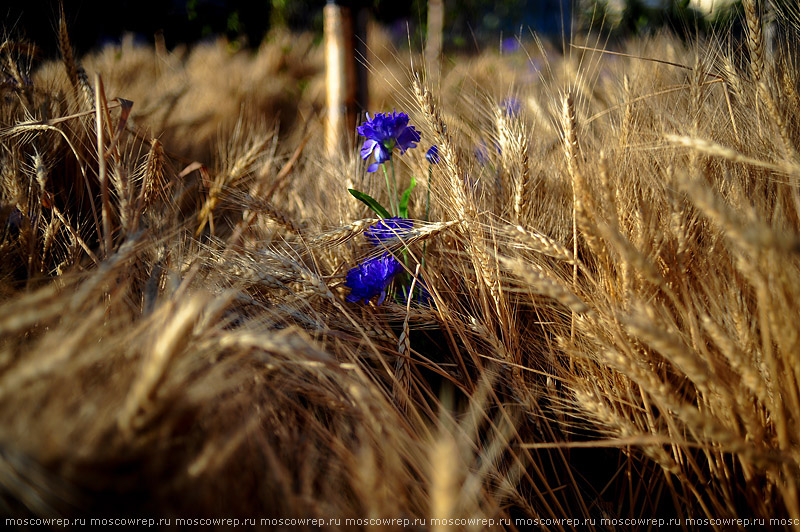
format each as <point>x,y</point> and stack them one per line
<point>697,93</point>
<point>422,232</point>
<point>310,280</point>
<point>542,244</point>
<point>755,38</point>
<point>255,207</point>
<point>75,72</point>
<point>53,227</point>
<point>539,281</point>
<point>121,180</point>
<point>731,77</point>
<point>628,115</point>
<point>523,193</point>
<point>153,180</point>
<point>463,204</point>
<point>591,402</point>
<point>15,189</point>
<point>40,171</point>
<point>514,157</point>
<point>280,217</point>
<point>671,346</point>
<point>787,87</point>
<point>570,129</point>
<point>741,363</point>
<point>66,51</point>
<point>762,74</point>
<point>718,150</point>
<point>465,209</point>
<point>340,235</point>
<point>751,236</point>
<point>705,428</point>
<point>487,267</point>
<point>584,216</point>
<point>247,147</point>
<point>401,386</point>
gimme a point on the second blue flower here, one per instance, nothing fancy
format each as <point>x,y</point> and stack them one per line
<point>388,229</point>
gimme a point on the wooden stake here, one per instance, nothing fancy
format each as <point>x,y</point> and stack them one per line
<point>338,26</point>
<point>345,51</point>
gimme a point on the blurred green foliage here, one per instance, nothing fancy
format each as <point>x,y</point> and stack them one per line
<point>641,17</point>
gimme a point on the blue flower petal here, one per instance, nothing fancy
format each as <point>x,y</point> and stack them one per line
<point>366,149</point>
<point>365,129</point>
<point>433,154</point>
<point>408,139</point>
<point>398,124</point>
<point>382,154</point>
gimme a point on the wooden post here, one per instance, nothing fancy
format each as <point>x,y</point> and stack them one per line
<point>335,75</point>
<point>344,73</point>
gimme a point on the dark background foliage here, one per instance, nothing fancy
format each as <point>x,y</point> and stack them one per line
<point>470,25</point>
<point>92,23</point>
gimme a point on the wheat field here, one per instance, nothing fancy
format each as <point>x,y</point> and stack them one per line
<point>613,268</point>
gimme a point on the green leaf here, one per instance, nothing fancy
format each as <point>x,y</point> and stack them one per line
<point>370,202</point>
<point>406,197</point>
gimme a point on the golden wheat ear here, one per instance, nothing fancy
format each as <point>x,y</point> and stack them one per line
<point>81,85</point>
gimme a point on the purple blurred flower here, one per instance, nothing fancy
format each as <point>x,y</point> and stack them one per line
<point>509,44</point>
<point>388,229</point>
<point>384,133</point>
<point>371,278</point>
<point>433,154</point>
<point>511,106</point>
<point>481,153</point>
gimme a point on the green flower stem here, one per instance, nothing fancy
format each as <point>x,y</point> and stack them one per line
<point>428,199</point>
<point>427,210</point>
<point>389,190</point>
<point>394,182</point>
<point>397,201</point>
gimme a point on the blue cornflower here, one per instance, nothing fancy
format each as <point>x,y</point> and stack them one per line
<point>384,133</point>
<point>388,229</point>
<point>371,278</point>
<point>433,154</point>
